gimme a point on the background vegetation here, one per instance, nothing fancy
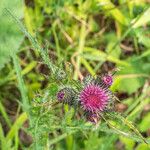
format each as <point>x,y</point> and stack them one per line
<point>81,37</point>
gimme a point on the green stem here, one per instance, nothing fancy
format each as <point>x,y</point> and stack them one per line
<point>56,42</point>
<point>35,44</point>
<point>80,48</point>
<point>4,114</point>
<point>21,84</point>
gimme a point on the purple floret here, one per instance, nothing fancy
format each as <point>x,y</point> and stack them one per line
<point>93,98</point>
<point>108,80</point>
<point>60,95</point>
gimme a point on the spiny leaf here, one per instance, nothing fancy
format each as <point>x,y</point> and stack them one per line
<point>128,124</point>
<point>55,70</point>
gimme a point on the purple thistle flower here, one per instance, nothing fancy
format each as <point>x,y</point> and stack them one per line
<point>107,79</point>
<point>60,95</point>
<point>93,98</point>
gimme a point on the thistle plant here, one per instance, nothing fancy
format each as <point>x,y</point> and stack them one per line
<point>96,101</point>
<point>92,98</point>
<point>67,106</point>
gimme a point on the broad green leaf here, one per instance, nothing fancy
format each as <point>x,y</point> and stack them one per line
<point>143,20</point>
<point>145,123</point>
<point>126,84</point>
<point>143,147</point>
<point>10,36</point>
<point>143,37</point>
<point>129,78</point>
<point>109,8</point>
<point>129,143</point>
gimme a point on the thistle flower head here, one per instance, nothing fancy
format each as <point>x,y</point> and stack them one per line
<point>67,96</point>
<point>93,98</point>
<point>107,79</point>
<point>60,95</point>
<point>88,80</point>
<point>92,95</point>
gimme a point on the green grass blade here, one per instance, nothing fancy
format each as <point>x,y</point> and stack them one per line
<point>21,84</point>
<point>4,114</point>
<point>109,7</point>
<point>144,19</point>
<point>95,54</point>
<point>80,49</point>
<point>16,126</point>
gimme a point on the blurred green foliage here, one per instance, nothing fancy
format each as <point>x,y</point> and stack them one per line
<point>11,37</point>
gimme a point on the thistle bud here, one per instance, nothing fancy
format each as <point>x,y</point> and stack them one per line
<point>67,96</point>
